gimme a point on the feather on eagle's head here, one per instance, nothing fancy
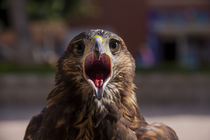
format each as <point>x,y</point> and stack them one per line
<point>97,61</point>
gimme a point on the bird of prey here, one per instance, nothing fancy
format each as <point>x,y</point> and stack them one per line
<point>93,97</point>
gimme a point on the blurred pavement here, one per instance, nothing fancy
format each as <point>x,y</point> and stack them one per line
<point>192,126</point>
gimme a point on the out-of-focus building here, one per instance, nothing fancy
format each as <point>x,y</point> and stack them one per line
<point>158,31</point>
<point>179,31</point>
<point>155,31</point>
<point>48,42</point>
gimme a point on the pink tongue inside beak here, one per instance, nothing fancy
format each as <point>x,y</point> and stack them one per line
<point>98,81</point>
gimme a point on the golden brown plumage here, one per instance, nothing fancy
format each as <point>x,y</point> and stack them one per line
<point>93,97</point>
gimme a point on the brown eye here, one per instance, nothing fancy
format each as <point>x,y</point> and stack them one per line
<point>79,47</point>
<point>114,46</point>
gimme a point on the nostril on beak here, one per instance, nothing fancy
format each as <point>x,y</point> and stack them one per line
<point>98,54</point>
<point>96,46</point>
<point>97,51</point>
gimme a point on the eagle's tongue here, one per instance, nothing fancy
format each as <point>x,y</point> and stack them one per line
<point>99,80</point>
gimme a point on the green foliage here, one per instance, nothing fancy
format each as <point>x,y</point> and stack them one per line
<point>52,10</point>
<point>14,68</point>
<point>58,9</point>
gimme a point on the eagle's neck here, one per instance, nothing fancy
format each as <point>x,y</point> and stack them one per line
<point>117,106</point>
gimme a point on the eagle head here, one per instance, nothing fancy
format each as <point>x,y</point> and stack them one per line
<point>96,62</point>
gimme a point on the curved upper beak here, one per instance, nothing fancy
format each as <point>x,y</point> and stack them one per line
<point>98,46</point>
<point>97,67</point>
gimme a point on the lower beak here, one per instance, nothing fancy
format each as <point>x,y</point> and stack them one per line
<point>99,93</point>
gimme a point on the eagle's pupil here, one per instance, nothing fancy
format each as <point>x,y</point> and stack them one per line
<point>80,47</point>
<point>113,45</point>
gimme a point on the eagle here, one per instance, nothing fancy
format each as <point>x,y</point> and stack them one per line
<point>93,96</point>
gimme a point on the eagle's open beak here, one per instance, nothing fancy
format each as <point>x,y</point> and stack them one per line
<point>97,67</point>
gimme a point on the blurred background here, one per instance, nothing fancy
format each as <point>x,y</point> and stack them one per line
<point>170,41</point>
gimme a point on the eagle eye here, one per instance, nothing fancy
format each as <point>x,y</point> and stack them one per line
<point>114,46</point>
<point>79,47</point>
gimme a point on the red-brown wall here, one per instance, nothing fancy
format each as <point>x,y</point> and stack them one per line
<point>127,18</point>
